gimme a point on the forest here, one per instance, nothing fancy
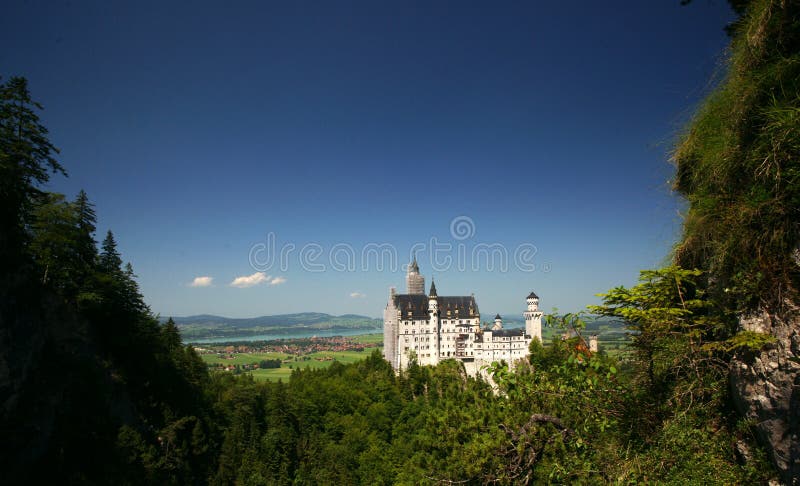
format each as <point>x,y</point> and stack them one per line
<point>96,390</point>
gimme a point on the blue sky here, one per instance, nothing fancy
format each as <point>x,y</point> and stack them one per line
<point>200,128</point>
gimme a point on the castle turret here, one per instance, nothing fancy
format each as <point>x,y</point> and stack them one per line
<point>498,323</point>
<point>433,318</point>
<point>533,317</point>
<point>415,283</point>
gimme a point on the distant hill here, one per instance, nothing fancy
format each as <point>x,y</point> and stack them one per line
<point>210,326</point>
<point>607,329</point>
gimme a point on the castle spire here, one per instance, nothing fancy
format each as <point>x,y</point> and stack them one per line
<point>433,316</point>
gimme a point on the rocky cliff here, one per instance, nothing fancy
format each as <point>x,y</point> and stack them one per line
<point>766,388</point>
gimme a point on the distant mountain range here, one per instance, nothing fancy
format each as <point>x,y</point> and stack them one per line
<point>209,326</point>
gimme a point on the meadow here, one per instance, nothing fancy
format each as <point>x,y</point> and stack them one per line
<point>314,360</point>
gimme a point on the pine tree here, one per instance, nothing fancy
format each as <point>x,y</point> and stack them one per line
<point>110,260</point>
<point>26,159</point>
<point>171,335</point>
<point>87,220</point>
<point>132,296</point>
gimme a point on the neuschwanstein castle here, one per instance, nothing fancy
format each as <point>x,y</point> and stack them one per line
<point>433,328</point>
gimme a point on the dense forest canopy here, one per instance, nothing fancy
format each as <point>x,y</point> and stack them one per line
<point>96,390</point>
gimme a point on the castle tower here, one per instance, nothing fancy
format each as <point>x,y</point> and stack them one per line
<point>415,283</point>
<point>433,317</point>
<point>533,317</point>
<point>391,331</point>
<point>498,323</point>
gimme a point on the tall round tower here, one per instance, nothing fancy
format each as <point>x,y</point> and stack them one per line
<point>533,317</point>
<point>433,322</point>
<point>498,323</point>
<point>415,283</point>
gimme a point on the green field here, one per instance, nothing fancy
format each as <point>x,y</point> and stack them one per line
<point>368,338</point>
<point>242,358</point>
<point>274,374</point>
<point>313,360</point>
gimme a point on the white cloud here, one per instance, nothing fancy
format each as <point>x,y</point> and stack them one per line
<point>250,280</point>
<point>357,295</point>
<point>201,282</point>
<point>277,281</point>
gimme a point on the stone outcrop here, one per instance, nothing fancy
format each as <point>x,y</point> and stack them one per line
<point>766,389</point>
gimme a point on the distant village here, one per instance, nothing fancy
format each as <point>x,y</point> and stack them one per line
<point>297,349</point>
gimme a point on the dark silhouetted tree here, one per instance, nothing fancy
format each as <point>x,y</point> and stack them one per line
<point>26,160</point>
<point>87,221</point>
<point>110,260</point>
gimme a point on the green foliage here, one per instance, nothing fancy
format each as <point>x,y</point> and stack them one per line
<point>26,160</point>
<point>737,165</point>
<point>566,403</point>
<point>110,259</point>
<point>673,326</point>
<point>102,391</point>
<point>85,245</point>
<point>269,363</point>
<point>677,411</point>
<point>54,229</point>
<point>743,341</point>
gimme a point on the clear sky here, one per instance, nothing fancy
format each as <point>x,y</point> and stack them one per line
<point>539,130</point>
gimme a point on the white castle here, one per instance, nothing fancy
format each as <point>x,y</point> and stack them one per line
<point>433,328</point>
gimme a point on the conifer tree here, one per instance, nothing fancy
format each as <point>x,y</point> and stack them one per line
<point>87,220</point>
<point>172,337</point>
<point>132,296</point>
<point>110,260</point>
<point>26,160</point>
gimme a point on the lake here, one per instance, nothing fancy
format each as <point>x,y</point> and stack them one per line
<point>299,334</point>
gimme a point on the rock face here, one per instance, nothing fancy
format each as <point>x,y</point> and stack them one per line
<point>766,389</point>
